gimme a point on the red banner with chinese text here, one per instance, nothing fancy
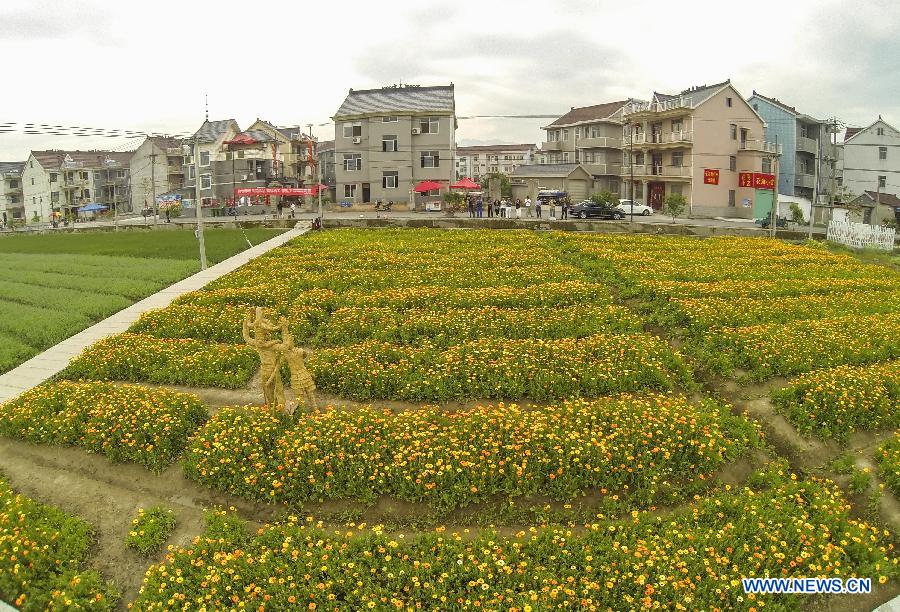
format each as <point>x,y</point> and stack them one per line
<point>745,179</point>
<point>763,181</point>
<point>275,191</point>
<point>710,177</point>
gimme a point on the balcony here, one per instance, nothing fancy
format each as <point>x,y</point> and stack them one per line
<point>805,181</point>
<point>807,145</point>
<point>556,145</point>
<point>760,145</point>
<point>599,142</point>
<point>608,169</point>
<point>657,171</point>
<point>679,103</point>
<point>175,170</point>
<point>174,151</point>
<point>636,169</point>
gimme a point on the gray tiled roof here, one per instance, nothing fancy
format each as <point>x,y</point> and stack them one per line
<point>211,131</point>
<point>53,159</point>
<point>437,99</point>
<point>698,94</point>
<point>544,170</point>
<point>11,167</point>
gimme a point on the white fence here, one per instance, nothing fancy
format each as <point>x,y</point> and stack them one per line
<point>860,235</point>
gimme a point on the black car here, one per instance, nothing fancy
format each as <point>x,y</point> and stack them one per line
<point>588,208</point>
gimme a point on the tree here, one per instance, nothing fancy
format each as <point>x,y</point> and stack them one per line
<point>674,205</point>
<point>605,198</point>
<point>796,214</point>
<point>454,200</point>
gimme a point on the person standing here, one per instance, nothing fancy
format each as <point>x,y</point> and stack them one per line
<point>293,210</point>
<point>490,208</point>
<point>527,206</point>
<point>565,209</point>
<point>537,207</point>
<point>479,208</point>
<point>518,208</point>
<point>280,207</point>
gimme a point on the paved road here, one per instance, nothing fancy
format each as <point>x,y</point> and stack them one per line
<point>52,361</point>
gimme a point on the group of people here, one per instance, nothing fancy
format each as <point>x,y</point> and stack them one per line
<point>509,209</point>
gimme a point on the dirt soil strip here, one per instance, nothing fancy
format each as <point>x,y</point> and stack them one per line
<point>108,496</point>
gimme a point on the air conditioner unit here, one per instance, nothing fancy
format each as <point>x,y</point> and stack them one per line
<point>357,140</point>
<point>415,130</point>
<point>244,177</point>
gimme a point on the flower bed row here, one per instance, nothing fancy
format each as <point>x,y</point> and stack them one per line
<point>888,459</point>
<point>836,402</point>
<point>123,422</point>
<point>648,449</point>
<point>801,346</point>
<point>42,553</point>
<point>140,358</point>
<point>502,369</point>
<point>695,558</point>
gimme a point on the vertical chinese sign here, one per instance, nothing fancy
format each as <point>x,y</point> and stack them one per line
<point>710,176</point>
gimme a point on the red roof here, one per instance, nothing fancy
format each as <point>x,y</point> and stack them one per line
<point>851,132</point>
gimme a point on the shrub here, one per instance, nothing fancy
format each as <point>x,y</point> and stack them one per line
<point>150,529</point>
<point>888,458</point>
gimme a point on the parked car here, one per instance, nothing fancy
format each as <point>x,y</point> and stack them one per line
<point>639,209</point>
<point>588,208</point>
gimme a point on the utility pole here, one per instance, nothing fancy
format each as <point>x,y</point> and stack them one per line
<point>774,224</point>
<point>631,164</point>
<point>153,185</point>
<point>199,203</point>
<point>877,202</point>
<point>833,166</point>
<point>812,205</point>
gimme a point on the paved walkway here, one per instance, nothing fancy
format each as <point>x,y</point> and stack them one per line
<point>52,361</point>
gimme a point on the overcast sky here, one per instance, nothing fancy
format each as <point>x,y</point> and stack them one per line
<point>146,65</point>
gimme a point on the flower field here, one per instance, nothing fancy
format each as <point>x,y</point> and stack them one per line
<point>556,386</point>
<point>836,402</point>
<point>450,460</point>
<point>123,422</point>
<point>692,560</point>
<point>42,551</point>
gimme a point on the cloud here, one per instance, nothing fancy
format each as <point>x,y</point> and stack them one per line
<point>50,21</point>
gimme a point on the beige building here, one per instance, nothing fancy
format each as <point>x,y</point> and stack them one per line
<point>210,145</point>
<point>591,136</point>
<point>574,179</point>
<point>875,208</point>
<point>697,143</point>
<point>156,169</point>
<point>387,140</point>
<point>478,161</point>
<point>12,205</point>
<point>64,181</point>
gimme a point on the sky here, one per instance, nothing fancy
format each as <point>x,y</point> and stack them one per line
<point>149,65</point>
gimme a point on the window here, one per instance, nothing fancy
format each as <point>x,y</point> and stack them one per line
<point>31,165</point>
<point>389,142</point>
<point>205,181</point>
<point>229,155</point>
<point>350,191</point>
<point>732,163</point>
<point>577,133</point>
<point>731,198</point>
<point>53,178</point>
<point>638,190</point>
<point>430,159</point>
<point>733,129</point>
<point>565,134</point>
<point>120,174</point>
<point>32,180</point>
<point>756,107</point>
<point>240,155</point>
<point>767,165</point>
<point>389,119</point>
<point>565,157</point>
<point>352,130</point>
<point>389,180</point>
<point>882,181</point>
<point>15,184</point>
<point>352,162</point>
<point>728,102</point>
<point>204,158</point>
<point>428,125</point>
<point>677,125</point>
<point>475,158</point>
<point>676,188</point>
<point>678,159</point>
<point>192,172</point>
<point>85,176</point>
<point>879,130</point>
<point>882,152</point>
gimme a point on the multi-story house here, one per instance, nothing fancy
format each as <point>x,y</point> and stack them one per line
<point>872,159</point>
<point>387,140</point>
<point>325,157</point>
<point>698,143</point>
<point>12,205</point>
<point>806,162</point>
<point>479,161</point>
<point>156,169</point>
<point>63,181</point>
<point>210,146</point>
<point>591,136</point>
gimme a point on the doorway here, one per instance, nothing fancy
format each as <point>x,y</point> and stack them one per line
<point>367,192</point>
<point>657,192</point>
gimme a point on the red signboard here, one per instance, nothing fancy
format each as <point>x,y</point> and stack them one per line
<point>763,181</point>
<point>710,177</point>
<point>745,179</point>
<point>275,191</point>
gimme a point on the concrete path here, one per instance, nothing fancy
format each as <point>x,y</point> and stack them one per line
<point>52,361</point>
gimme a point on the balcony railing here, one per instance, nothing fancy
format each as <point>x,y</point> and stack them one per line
<point>556,145</point>
<point>636,169</point>
<point>652,170</point>
<point>600,141</point>
<point>639,138</point>
<point>760,145</point>
<point>807,144</point>
<point>658,107</point>
<point>601,168</point>
<point>174,151</point>
<point>176,170</point>
<point>806,181</point>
